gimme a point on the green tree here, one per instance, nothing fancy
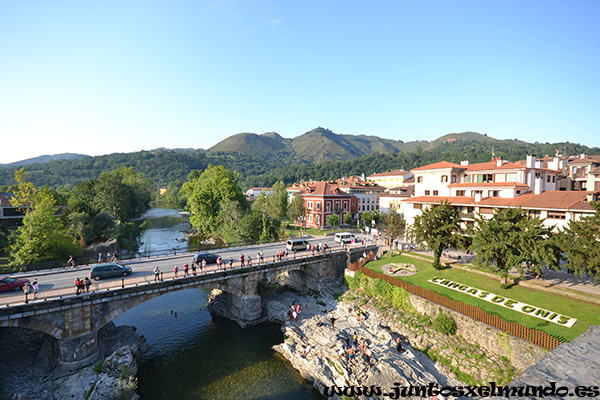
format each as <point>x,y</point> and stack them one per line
<point>334,220</point>
<point>366,218</point>
<point>438,227</point>
<point>277,201</point>
<point>213,187</point>
<point>513,239</point>
<point>580,242</point>
<point>296,210</point>
<point>42,235</point>
<point>393,224</point>
<point>123,192</point>
<point>348,218</point>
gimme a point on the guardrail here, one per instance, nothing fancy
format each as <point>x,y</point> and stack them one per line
<point>149,278</point>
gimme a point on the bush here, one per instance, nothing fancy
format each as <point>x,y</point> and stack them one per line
<point>97,368</point>
<point>444,323</point>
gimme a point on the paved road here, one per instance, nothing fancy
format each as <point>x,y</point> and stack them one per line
<point>61,278</point>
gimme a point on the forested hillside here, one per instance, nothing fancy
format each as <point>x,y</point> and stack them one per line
<point>265,168</point>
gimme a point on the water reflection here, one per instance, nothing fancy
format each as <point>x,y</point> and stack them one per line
<point>165,228</point>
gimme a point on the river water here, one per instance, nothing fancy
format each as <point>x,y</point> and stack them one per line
<point>193,355</point>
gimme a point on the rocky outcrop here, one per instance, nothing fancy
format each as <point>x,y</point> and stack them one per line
<point>314,347</point>
<point>117,377</point>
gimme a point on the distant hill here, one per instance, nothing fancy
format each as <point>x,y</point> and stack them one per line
<point>262,160</point>
<point>318,145</point>
<point>250,143</point>
<point>45,158</point>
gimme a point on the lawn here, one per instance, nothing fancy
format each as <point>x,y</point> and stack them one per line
<point>586,313</point>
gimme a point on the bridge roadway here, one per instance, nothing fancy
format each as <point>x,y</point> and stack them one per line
<point>60,282</point>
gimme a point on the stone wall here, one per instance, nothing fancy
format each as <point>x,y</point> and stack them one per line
<point>519,352</point>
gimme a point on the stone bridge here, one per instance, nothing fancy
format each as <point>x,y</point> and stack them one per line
<point>75,321</point>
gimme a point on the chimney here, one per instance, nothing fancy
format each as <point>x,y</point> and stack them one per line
<point>499,162</point>
<point>538,186</point>
<point>478,197</point>
<point>530,162</point>
<point>582,155</point>
<point>464,163</point>
<point>592,197</point>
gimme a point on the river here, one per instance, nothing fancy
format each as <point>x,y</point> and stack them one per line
<point>193,355</point>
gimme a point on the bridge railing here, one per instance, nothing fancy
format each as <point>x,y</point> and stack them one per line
<point>20,298</point>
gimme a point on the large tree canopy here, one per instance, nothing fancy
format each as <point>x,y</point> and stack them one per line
<point>42,235</point>
<point>513,239</point>
<point>208,193</point>
<point>438,227</point>
<point>581,244</point>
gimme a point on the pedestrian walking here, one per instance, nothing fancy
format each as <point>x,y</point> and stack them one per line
<point>88,283</point>
<point>219,262</point>
<point>99,258</point>
<point>26,288</point>
<point>193,269</point>
<point>156,274</point>
<point>186,269</point>
<point>175,271</point>
<point>231,263</point>
<point>36,288</point>
<point>242,260</point>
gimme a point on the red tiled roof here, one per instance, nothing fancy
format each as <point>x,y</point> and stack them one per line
<point>439,165</point>
<point>321,188</point>
<point>575,200</point>
<point>492,165</point>
<point>396,172</point>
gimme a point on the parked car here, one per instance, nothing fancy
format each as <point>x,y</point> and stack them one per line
<point>343,237</point>
<point>110,270</point>
<point>296,244</point>
<point>210,258</point>
<point>8,283</point>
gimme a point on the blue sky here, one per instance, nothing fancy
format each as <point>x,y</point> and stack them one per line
<point>121,76</point>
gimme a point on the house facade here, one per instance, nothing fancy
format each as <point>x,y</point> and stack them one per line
<point>323,199</point>
<point>367,193</point>
<point>391,179</point>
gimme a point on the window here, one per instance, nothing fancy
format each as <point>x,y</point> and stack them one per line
<point>419,179</point>
<point>309,205</point>
<point>460,192</point>
<point>318,206</point>
<point>492,193</point>
<point>337,205</point>
<point>345,206</point>
<point>511,177</point>
<point>453,178</point>
<point>418,206</point>
<point>486,210</point>
<point>318,220</point>
<point>535,213</point>
<point>556,215</point>
<point>435,192</point>
<point>427,193</point>
<point>548,179</point>
<point>310,218</point>
<point>328,206</point>
<point>444,178</point>
<point>467,178</point>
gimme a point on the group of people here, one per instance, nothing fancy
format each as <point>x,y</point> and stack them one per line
<point>33,287</point>
<point>108,258</point>
<point>351,348</point>
<point>295,310</point>
<point>82,285</point>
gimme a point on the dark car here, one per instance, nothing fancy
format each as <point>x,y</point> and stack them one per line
<point>210,258</point>
<point>8,284</point>
<point>111,270</point>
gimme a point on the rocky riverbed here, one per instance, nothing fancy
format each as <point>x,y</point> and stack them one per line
<point>29,372</point>
<point>325,366</point>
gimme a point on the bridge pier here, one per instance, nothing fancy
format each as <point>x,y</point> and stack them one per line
<point>78,351</point>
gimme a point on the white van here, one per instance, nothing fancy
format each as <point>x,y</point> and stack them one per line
<point>343,237</point>
<point>296,244</point>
